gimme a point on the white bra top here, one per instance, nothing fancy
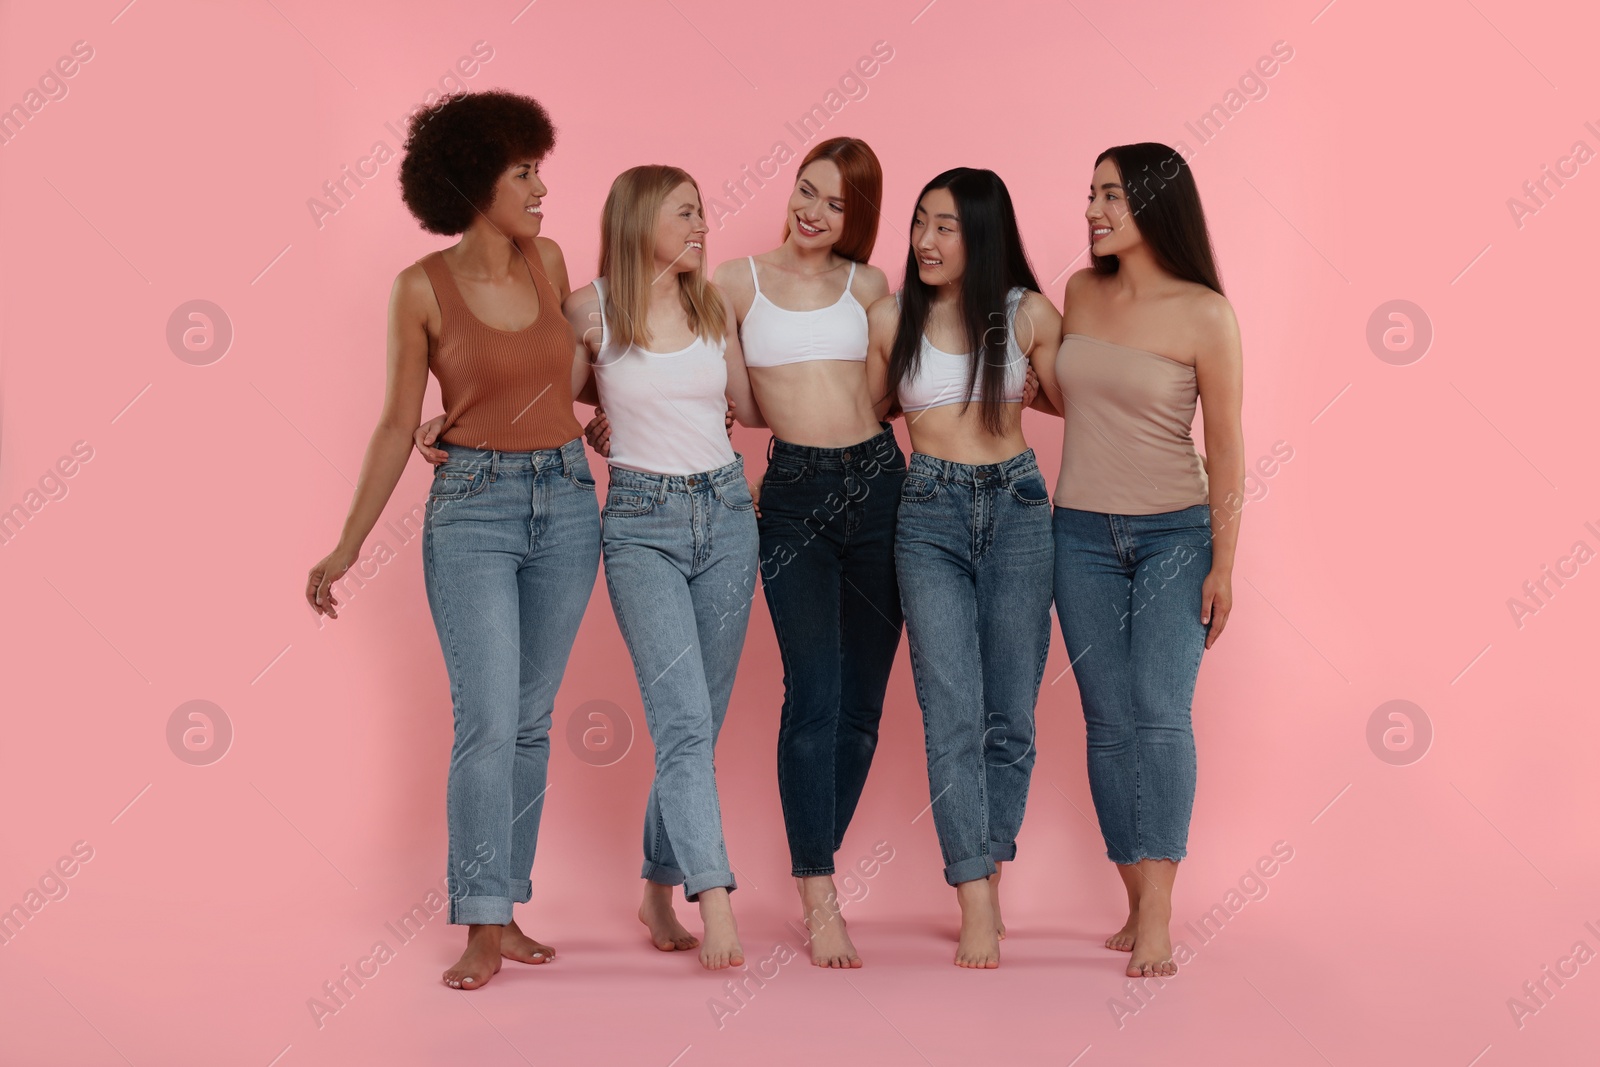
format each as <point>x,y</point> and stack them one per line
<point>667,409</point>
<point>941,376</point>
<point>773,336</point>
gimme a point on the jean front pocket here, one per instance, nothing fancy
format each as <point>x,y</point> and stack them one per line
<point>783,472</point>
<point>626,501</point>
<point>735,495</point>
<point>918,488</point>
<point>457,483</point>
<point>1030,490</point>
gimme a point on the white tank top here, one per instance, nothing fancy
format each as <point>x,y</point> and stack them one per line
<point>667,410</point>
<point>941,376</point>
<point>772,336</point>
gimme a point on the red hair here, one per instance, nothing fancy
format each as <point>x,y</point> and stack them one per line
<point>863,193</point>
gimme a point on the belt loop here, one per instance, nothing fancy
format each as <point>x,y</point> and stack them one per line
<point>771,443</point>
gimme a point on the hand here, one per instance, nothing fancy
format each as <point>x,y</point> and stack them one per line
<point>1030,387</point>
<point>598,432</point>
<point>319,583</point>
<point>727,420</point>
<point>1216,601</point>
<point>424,437</point>
<point>755,494</point>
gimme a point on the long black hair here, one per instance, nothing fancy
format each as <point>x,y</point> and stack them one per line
<point>1165,202</point>
<point>996,263</point>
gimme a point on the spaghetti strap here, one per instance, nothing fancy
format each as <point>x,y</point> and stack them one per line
<point>753,277</point>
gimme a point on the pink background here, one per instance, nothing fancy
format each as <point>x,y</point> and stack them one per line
<point>1376,566</point>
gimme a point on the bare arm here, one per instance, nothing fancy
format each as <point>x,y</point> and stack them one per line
<point>1219,372</point>
<point>1039,335</point>
<point>390,445</point>
<point>745,409</point>
<point>883,318</point>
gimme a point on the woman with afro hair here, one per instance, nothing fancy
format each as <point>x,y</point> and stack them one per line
<point>511,538</point>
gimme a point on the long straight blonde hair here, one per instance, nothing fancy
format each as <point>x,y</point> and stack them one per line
<point>627,259</point>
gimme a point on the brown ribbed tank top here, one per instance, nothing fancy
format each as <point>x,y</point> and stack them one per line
<point>506,390</point>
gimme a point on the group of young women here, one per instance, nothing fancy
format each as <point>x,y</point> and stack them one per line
<point>960,546</point>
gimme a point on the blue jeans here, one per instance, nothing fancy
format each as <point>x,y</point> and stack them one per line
<point>827,567</point>
<point>510,544</point>
<point>681,558</point>
<point>974,555</point>
<point>1128,597</point>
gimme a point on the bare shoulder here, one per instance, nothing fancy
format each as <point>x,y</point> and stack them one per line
<point>733,276</point>
<point>1038,309</point>
<point>550,254</point>
<point>413,291</point>
<point>1081,284</point>
<point>884,312</point>
<point>871,284</point>
<point>1212,315</point>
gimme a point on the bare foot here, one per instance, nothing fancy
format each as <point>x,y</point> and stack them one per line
<point>830,941</point>
<point>1152,943</point>
<point>994,892</point>
<point>516,945</point>
<point>721,948</point>
<point>1122,940</point>
<point>979,944</point>
<point>666,932</point>
<point>480,961</point>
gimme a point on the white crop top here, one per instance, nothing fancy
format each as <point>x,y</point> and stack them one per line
<point>772,336</point>
<point>667,410</point>
<point>941,376</point>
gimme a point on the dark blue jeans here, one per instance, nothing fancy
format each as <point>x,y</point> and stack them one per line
<point>827,566</point>
<point>1128,598</point>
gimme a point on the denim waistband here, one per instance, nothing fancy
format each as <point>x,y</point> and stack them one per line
<point>660,484</point>
<point>875,449</point>
<point>496,461</point>
<point>1003,473</point>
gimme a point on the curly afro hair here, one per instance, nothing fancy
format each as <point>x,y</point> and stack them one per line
<point>457,149</point>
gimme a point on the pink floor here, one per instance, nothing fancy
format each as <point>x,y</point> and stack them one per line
<point>1440,903</point>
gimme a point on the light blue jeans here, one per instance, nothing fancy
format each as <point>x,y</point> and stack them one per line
<point>510,544</point>
<point>974,557</point>
<point>1128,597</point>
<point>681,556</point>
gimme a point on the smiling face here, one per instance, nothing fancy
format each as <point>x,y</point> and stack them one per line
<point>1111,226</point>
<point>816,207</point>
<point>680,231</point>
<point>936,238</point>
<point>515,210</point>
